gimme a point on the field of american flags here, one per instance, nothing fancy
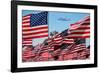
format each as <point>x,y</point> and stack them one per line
<point>70,44</point>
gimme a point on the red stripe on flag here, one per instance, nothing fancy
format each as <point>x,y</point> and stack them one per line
<point>80,23</point>
<point>81,32</point>
<point>27,39</point>
<point>32,28</point>
<point>27,43</point>
<point>23,26</point>
<point>25,22</point>
<point>40,36</point>
<point>78,37</point>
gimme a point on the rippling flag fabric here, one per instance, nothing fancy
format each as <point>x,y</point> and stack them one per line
<point>68,41</point>
<point>80,29</point>
<point>58,40</point>
<point>34,26</point>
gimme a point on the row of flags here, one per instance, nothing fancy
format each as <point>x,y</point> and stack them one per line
<point>79,51</point>
<point>59,40</point>
<point>36,26</point>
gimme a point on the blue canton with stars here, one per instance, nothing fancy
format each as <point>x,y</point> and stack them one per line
<point>38,19</point>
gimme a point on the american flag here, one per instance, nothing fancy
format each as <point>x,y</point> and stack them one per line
<point>27,42</point>
<point>58,40</point>
<point>50,41</point>
<point>27,53</point>
<point>80,29</point>
<point>80,46</point>
<point>34,26</point>
<point>68,41</point>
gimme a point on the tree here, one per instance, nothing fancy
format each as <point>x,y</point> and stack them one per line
<point>53,33</point>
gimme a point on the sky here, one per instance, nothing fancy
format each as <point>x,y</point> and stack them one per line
<point>59,21</point>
